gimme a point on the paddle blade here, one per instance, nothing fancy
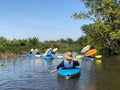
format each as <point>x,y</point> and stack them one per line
<point>55,49</point>
<point>91,52</point>
<point>85,49</point>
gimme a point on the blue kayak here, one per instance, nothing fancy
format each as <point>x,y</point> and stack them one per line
<point>48,57</point>
<point>88,58</point>
<point>69,72</point>
<point>28,54</point>
<point>33,55</point>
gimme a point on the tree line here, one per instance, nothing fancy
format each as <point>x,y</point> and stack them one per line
<point>23,45</point>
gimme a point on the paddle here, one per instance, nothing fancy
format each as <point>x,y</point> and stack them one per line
<point>53,71</point>
<point>55,49</point>
<point>44,72</point>
<point>48,72</point>
<point>91,52</point>
<point>85,49</point>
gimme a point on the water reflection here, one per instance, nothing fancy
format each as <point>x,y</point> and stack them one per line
<point>71,84</point>
<point>29,73</point>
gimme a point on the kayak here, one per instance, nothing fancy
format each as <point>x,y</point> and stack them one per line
<point>48,57</point>
<point>91,52</point>
<point>79,56</point>
<point>33,55</point>
<point>88,58</point>
<point>60,57</point>
<point>37,55</point>
<point>69,72</point>
<point>28,54</point>
<point>98,56</point>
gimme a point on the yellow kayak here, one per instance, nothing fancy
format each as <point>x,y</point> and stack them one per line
<point>98,56</point>
<point>79,56</point>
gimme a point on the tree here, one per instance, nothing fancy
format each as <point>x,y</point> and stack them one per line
<point>106,26</point>
<point>69,40</point>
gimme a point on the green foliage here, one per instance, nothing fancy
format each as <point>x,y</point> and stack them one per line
<point>105,31</point>
<point>24,45</point>
<point>115,35</point>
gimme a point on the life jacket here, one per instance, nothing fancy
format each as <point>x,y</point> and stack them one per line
<point>68,64</point>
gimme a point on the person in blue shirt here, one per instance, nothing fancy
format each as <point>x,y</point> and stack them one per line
<point>69,61</point>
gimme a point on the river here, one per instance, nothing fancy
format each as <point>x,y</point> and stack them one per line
<point>30,73</point>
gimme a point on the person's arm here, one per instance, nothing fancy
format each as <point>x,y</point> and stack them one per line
<point>56,68</point>
<point>60,65</point>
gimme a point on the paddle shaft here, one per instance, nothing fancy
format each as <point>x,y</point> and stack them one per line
<point>53,71</point>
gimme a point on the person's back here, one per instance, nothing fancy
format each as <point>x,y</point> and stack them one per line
<point>38,52</point>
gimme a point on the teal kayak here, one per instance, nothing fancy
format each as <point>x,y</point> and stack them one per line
<point>33,55</point>
<point>48,57</point>
<point>69,72</point>
<point>28,54</point>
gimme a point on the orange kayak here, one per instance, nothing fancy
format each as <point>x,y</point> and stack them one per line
<point>91,52</point>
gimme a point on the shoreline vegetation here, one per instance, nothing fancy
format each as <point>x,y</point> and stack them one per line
<point>13,48</point>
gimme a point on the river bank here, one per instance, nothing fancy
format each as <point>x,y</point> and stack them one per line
<point>7,55</point>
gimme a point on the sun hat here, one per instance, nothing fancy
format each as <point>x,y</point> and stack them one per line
<point>68,55</point>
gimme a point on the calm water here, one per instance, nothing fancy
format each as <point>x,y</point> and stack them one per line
<point>25,73</point>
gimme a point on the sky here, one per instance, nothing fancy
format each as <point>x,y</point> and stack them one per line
<point>45,19</point>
